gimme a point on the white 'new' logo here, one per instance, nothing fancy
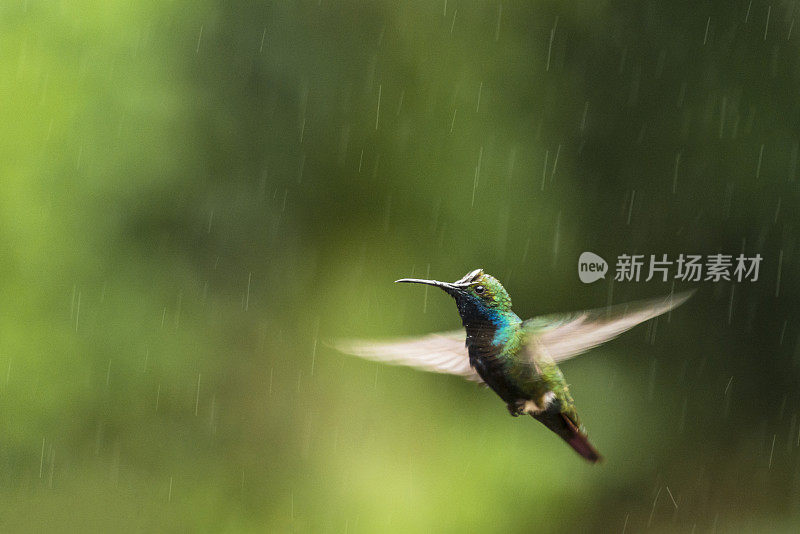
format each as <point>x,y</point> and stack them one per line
<point>591,267</point>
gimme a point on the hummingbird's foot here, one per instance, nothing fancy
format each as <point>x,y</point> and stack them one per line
<point>528,406</point>
<point>518,408</point>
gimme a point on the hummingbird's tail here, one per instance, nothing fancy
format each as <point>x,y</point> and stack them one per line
<point>567,430</point>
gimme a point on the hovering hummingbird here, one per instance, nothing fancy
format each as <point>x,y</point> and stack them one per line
<point>517,359</point>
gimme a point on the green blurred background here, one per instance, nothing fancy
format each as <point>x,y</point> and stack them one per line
<point>195,196</point>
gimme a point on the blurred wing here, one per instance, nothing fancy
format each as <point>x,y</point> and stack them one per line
<point>563,336</point>
<point>440,353</point>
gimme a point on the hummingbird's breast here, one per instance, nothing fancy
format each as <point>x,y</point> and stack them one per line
<point>494,353</point>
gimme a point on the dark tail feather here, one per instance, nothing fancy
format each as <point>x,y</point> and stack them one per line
<point>566,429</point>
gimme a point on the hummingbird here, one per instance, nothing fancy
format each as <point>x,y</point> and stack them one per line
<point>517,359</point>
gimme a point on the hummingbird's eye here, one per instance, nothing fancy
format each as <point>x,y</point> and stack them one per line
<point>479,289</point>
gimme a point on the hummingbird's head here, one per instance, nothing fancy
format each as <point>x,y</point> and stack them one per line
<point>479,296</point>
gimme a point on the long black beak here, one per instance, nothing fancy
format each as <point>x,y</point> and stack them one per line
<point>450,288</point>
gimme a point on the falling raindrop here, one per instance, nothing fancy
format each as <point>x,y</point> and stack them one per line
<point>675,504</point>
<point>197,396</point>
<point>247,293</point>
<point>544,167</point>
<point>41,460</point>
<point>760,158</point>
<point>585,114</point>
<point>772,450</point>
<point>477,176</point>
<point>499,19</point>
<point>78,311</point>
<point>653,509</point>
<point>555,163</point>
<point>378,110</point>
<point>630,206</point>
<point>550,44</point>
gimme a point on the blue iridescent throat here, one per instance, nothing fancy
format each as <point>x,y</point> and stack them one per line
<point>506,324</point>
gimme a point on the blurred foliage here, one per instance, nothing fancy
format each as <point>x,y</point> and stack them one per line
<point>195,196</point>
